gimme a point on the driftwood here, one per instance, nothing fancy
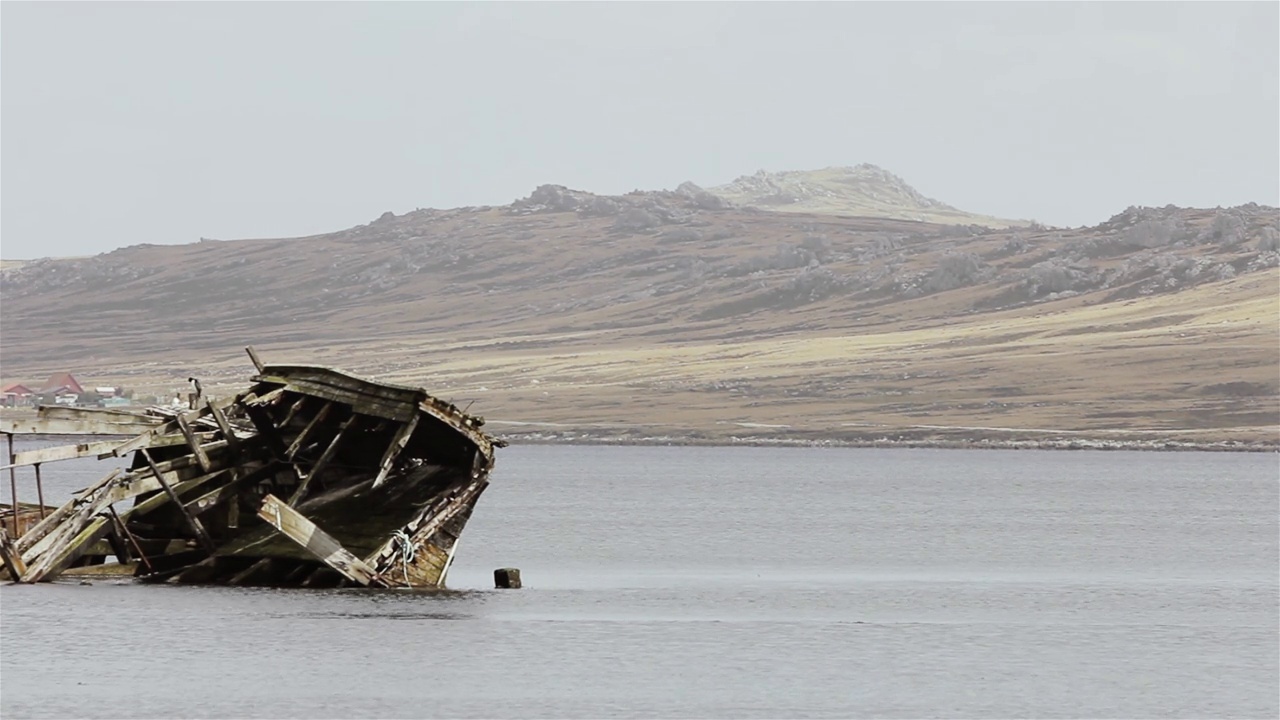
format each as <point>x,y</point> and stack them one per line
<point>380,480</point>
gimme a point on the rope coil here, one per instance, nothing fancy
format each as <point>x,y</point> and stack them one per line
<point>408,551</point>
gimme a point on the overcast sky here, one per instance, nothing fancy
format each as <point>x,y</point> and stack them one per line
<point>164,122</point>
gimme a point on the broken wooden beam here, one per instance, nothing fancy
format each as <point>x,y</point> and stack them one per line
<point>319,465</point>
<point>253,357</point>
<point>219,417</point>
<point>315,541</point>
<point>54,519</point>
<point>398,442</point>
<point>87,426</point>
<point>63,554</point>
<point>11,557</point>
<point>196,527</point>
<point>60,452</point>
<point>300,441</point>
<point>193,443</point>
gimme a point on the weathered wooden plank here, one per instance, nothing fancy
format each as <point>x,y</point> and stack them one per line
<point>325,457</point>
<point>265,399</point>
<point>160,499</point>
<point>229,491</point>
<point>84,507</point>
<point>259,568</point>
<point>169,427</point>
<point>267,429</point>
<point>398,442</point>
<point>253,357</point>
<point>56,426</point>
<point>471,432</point>
<point>294,409</point>
<point>201,458</point>
<point>315,541</point>
<point>340,387</point>
<point>53,562</point>
<point>68,412</point>
<point>224,427</point>
<point>55,518</point>
<point>174,469</point>
<point>196,527</point>
<point>159,441</point>
<point>364,404</point>
<point>301,439</point>
<point>11,557</point>
<point>123,530</point>
<point>349,381</point>
<point>60,452</point>
<point>146,439</point>
<point>422,532</point>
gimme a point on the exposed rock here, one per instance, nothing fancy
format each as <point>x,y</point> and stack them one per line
<point>702,199</point>
<point>957,270</point>
<point>864,190</point>
<point>636,220</point>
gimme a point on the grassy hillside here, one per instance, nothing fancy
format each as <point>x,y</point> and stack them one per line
<point>672,314</point>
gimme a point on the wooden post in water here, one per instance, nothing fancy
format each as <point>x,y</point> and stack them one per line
<point>507,578</point>
<point>13,484</point>
<point>39,491</point>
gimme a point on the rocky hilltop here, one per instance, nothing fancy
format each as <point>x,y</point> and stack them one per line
<point>864,190</point>
<point>684,314</point>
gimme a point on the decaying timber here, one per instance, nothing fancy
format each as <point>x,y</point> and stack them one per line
<point>312,477</point>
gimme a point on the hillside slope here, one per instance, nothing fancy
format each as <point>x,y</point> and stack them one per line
<point>673,313</point>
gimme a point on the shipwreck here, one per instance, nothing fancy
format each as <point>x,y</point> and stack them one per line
<point>312,477</point>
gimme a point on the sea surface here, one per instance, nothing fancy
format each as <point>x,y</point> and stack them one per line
<point>728,582</point>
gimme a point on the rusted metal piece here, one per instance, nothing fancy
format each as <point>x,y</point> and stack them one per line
<point>380,480</point>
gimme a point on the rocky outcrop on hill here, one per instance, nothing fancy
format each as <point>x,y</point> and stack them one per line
<point>679,244</point>
<point>675,261</point>
<point>865,190</point>
<point>555,278</point>
<point>634,212</point>
<point>790,187</point>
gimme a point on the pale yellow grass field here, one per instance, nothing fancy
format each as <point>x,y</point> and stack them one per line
<point>1105,368</point>
<point>1147,366</point>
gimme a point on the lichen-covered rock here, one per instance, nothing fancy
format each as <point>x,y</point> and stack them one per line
<point>636,220</point>
<point>957,270</point>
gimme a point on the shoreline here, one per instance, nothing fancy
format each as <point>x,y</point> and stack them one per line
<point>934,437</point>
<point>1063,444</point>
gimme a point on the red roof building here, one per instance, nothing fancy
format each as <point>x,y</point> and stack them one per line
<point>62,383</point>
<point>16,394</point>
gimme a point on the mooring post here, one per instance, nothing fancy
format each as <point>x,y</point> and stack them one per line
<point>13,484</point>
<point>39,491</point>
<point>506,578</point>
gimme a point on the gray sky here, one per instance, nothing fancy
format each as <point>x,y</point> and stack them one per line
<point>163,122</point>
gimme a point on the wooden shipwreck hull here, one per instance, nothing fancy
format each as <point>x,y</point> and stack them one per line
<point>313,477</point>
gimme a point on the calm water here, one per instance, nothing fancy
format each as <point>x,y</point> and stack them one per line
<point>738,582</point>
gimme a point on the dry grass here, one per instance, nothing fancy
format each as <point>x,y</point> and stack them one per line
<point>559,332</point>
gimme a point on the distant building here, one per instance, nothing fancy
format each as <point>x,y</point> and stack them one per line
<point>61,384</point>
<point>15,395</point>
